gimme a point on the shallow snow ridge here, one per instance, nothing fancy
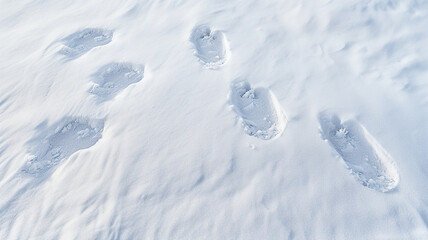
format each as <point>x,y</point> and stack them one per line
<point>259,110</point>
<point>367,160</point>
<point>210,46</point>
<point>67,139</point>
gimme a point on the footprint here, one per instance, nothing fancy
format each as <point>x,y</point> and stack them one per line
<point>81,42</point>
<point>259,110</point>
<point>211,47</point>
<point>368,161</point>
<point>114,77</point>
<point>67,139</point>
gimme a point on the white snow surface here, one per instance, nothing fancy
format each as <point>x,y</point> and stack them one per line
<point>116,122</point>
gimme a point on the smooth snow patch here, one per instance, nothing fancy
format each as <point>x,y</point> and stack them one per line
<point>81,42</point>
<point>259,110</point>
<point>211,47</point>
<point>114,77</point>
<point>367,160</point>
<point>67,139</point>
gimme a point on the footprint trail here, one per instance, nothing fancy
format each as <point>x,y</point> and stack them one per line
<point>367,160</point>
<point>258,109</point>
<point>211,46</point>
<point>67,139</point>
<point>114,77</point>
<point>79,43</point>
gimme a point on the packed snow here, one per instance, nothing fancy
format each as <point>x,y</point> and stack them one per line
<point>196,119</point>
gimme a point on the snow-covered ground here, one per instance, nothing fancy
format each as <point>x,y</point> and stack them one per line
<point>197,119</point>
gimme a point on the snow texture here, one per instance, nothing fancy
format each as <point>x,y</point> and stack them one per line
<point>201,119</point>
